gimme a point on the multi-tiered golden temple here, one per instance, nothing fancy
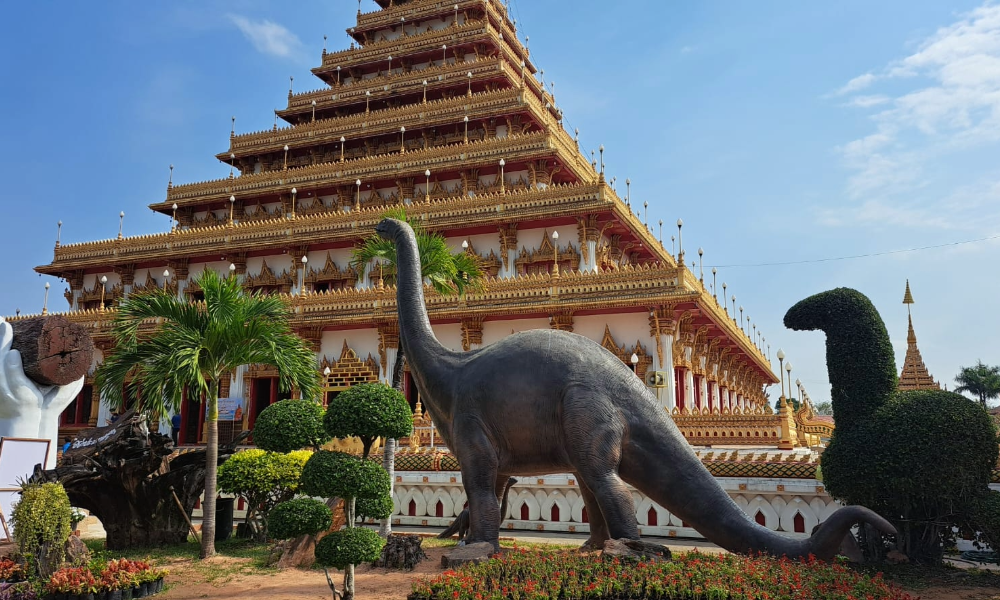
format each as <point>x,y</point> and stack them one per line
<point>436,107</point>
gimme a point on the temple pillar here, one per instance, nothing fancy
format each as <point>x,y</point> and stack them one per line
<point>508,250</point>
<point>703,391</point>
<point>388,349</point>
<point>662,327</point>
<point>723,398</point>
<point>689,404</point>
<point>716,403</point>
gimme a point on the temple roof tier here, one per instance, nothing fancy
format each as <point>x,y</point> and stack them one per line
<point>512,148</point>
<point>399,84</point>
<point>416,12</point>
<point>414,117</point>
<point>427,44</point>
<point>603,291</point>
<point>337,225</point>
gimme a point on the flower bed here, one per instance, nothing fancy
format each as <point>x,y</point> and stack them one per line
<point>11,571</point>
<point>524,575</point>
<point>120,579</point>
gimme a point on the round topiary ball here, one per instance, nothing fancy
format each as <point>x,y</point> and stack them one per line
<point>290,425</point>
<point>301,516</point>
<point>336,474</point>
<point>369,410</point>
<point>349,547</point>
<point>374,508</point>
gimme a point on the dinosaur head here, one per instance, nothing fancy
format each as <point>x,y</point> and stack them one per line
<point>390,228</point>
<point>859,355</point>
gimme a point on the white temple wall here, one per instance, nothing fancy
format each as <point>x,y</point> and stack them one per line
<point>494,331</point>
<point>362,341</point>
<point>449,334</point>
<point>92,279</point>
<point>625,328</point>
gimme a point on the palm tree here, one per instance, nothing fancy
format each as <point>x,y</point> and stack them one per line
<point>980,380</point>
<point>191,347</point>
<point>447,273</point>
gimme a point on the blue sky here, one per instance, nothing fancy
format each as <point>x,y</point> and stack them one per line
<point>778,131</point>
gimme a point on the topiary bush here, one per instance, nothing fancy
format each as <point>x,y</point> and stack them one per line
<point>985,521</point>
<point>301,516</point>
<point>349,547</point>
<point>374,508</point>
<point>42,517</point>
<point>264,479</point>
<point>921,459</point>
<point>336,474</point>
<point>290,425</point>
<point>368,411</point>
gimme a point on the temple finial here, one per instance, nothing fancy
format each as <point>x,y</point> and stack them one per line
<point>907,297</point>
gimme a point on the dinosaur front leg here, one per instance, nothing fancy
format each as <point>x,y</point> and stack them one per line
<point>479,475</point>
<point>598,527</point>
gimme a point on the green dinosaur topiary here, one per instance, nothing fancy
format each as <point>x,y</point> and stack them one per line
<point>922,459</point>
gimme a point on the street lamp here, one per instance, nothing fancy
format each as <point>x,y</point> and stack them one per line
<point>302,277</point>
<point>444,55</point>
<point>781,369</point>
<point>45,302</point>
<point>635,361</point>
<point>232,157</point>
<point>232,206</point>
<point>343,141</point>
<point>466,120</point>
<point>357,199</point>
<point>469,93</point>
<point>427,189</point>
<point>734,307</point>
<point>788,372</point>
<point>121,223</point>
<point>174,226</point>
<point>104,281</point>
<point>714,272</point>
<point>503,189</point>
<point>294,191</point>
<point>555,253</point>
<point>402,140</point>
<point>425,91</point>
<point>338,75</point>
<point>725,305</point>
<point>314,110</point>
<point>286,157</point>
<point>368,99</point>
<point>701,265</point>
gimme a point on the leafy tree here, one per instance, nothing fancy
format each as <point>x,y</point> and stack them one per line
<point>446,272</point>
<point>192,347</point>
<point>264,479</point>
<point>375,409</point>
<point>290,425</point>
<point>980,380</point>
<point>823,408</point>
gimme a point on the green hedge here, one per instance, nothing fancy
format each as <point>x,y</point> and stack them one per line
<point>859,355</point>
<point>349,547</point>
<point>524,574</point>
<point>301,516</point>
<point>336,474</point>
<point>42,516</point>
<point>290,425</point>
<point>370,410</point>
<point>374,508</point>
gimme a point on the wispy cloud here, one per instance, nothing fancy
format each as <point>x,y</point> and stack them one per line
<point>268,37</point>
<point>949,102</point>
<point>856,85</point>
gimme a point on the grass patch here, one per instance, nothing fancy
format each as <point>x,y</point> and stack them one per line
<point>235,557</point>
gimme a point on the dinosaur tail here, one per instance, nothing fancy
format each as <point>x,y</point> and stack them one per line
<point>683,485</point>
<point>455,526</point>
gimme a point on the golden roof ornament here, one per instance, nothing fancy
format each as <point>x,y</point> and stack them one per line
<point>914,375</point>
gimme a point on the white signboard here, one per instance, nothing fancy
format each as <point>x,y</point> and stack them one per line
<point>18,457</point>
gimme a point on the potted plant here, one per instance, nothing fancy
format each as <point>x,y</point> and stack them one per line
<point>12,571</point>
<point>72,583</point>
<point>76,518</point>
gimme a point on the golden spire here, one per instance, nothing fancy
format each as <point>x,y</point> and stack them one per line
<point>915,375</point>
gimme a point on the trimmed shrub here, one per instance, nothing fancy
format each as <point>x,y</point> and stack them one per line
<point>368,411</point>
<point>985,521</point>
<point>290,425</point>
<point>336,474</point>
<point>264,479</point>
<point>374,508</point>
<point>42,516</point>
<point>349,547</point>
<point>301,516</point>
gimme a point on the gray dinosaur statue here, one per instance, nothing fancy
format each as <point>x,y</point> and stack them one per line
<point>548,401</point>
<point>461,523</point>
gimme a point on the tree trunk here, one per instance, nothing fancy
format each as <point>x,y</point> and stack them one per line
<point>211,472</point>
<point>389,452</point>
<point>53,350</point>
<point>349,507</point>
<point>126,482</point>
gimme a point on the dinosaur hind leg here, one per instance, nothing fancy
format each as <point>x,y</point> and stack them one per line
<point>598,527</point>
<point>479,476</point>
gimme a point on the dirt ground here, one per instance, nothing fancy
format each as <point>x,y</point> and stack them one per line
<point>379,584</point>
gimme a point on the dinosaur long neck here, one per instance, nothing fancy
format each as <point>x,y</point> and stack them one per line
<point>428,359</point>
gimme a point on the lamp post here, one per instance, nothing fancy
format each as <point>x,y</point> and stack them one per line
<point>232,269</point>
<point>338,75</point>
<point>714,272</point>
<point>680,241</point>
<point>602,156</point>
<point>798,386</point>
<point>781,369</point>
<point>425,91</point>
<point>104,281</point>
<point>285,166</point>
<point>232,206</point>
<point>661,233</point>
<point>741,318</point>
<point>45,302</point>
<point>58,232</point>
<point>788,372</point>
<point>635,361</point>
<point>466,120</point>
<point>465,244</point>
<point>469,93</point>
<point>444,54</point>
<point>357,199</point>
<point>368,99</point>
<point>121,223</point>
<point>343,141</point>
<point>314,110</point>
<point>725,305</point>
<point>427,189</point>
<point>734,307</point>
<point>302,276</point>
<point>389,72</point>
<point>701,265</point>
<point>294,191</point>
<point>402,140</point>
<point>456,15</point>
<point>555,253</point>
<point>503,189</point>
<point>628,193</point>
<point>174,226</point>
<point>166,278</point>
<point>645,214</point>
<point>232,156</point>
